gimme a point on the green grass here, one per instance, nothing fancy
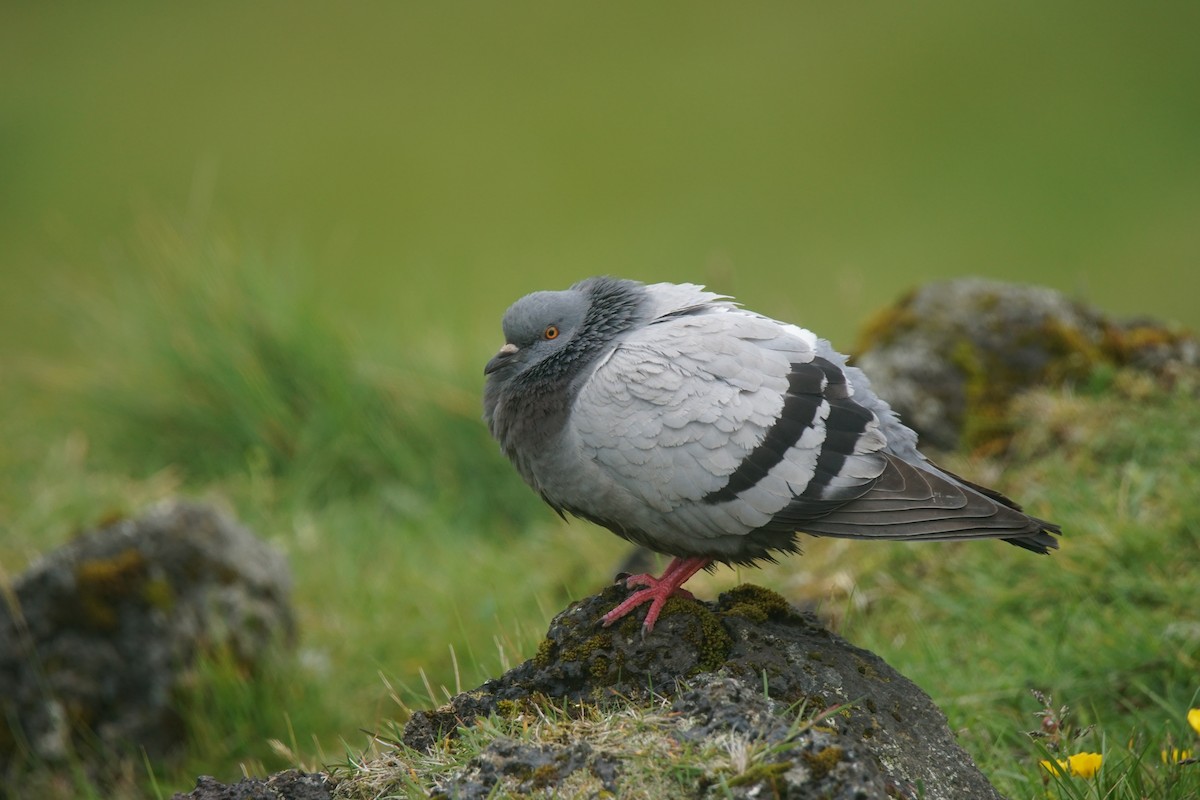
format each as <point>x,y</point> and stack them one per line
<point>424,566</point>
<point>432,162</point>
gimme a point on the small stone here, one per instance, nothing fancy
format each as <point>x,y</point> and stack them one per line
<point>289,785</point>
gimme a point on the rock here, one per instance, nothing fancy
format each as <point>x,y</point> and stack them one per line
<point>289,785</point>
<point>99,639</point>
<point>723,713</point>
<point>734,671</point>
<point>525,768</point>
<point>950,356</point>
<point>810,762</point>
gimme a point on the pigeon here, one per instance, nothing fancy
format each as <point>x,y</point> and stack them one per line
<point>698,429</point>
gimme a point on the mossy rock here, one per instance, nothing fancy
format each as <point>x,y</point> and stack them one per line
<point>731,666</point>
<point>102,639</point>
<point>950,357</point>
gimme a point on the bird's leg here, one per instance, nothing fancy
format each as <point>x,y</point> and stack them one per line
<point>657,590</point>
<point>650,580</point>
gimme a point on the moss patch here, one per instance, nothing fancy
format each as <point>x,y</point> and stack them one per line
<point>709,636</point>
<point>868,671</point>
<point>760,773</point>
<point>104,583</point>
<point>824,761</point>
<point>593,654</point>
<point>545,653</point>
<point>754,603</point>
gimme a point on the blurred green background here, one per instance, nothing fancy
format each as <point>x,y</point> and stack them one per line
<point>260,252</point>
<point>430,162</point>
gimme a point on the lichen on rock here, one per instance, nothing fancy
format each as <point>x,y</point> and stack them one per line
<point>950,357</point>
<point>99,639</point>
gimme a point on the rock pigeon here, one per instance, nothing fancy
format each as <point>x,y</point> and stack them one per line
<point>691,426</point>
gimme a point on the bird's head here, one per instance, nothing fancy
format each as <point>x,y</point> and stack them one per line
<point>536,327</point>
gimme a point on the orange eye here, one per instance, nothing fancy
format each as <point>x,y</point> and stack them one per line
<point>551,332</point>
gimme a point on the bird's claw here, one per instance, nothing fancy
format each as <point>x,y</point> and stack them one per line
<point>657,592</point>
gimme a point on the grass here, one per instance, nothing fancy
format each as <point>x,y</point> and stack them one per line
<point>422,563</point>
<point>433,162</point>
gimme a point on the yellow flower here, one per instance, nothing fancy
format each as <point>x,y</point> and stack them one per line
<point>1194,719</point>
<point>1083,765</point>
<point>1175,755</point>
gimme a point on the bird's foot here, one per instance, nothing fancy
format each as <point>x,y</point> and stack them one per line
<point>652,582</point>
<point>657,591</point>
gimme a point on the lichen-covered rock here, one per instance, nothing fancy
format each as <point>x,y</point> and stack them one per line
<point>757,748</point>
<point>817,760</point>
<point>527,768</point>
<point>99,638</point>
<point>732,666</point>
<point>950,356</point>
<point>289,785</point>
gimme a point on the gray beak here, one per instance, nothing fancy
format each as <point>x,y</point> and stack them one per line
<point>498,360</point>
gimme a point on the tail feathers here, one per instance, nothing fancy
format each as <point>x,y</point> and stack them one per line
<point>1041,542</point>
<point>908,502</point>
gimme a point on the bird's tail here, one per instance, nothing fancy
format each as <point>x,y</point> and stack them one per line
<point>926,503</point>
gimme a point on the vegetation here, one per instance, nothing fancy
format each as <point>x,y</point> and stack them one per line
<point>399,173</point>
<point>423,566</point>
<point>646,756</point>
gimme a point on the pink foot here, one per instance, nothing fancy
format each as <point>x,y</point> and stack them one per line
<point>657,590</point>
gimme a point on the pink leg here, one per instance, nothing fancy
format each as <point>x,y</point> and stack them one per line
<point>658,590</point>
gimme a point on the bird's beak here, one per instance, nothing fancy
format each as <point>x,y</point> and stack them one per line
<point>498,360</point>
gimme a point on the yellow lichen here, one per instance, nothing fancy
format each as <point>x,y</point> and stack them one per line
<point>102,583</point>
<point>986,427</point>
<point>1073,354</point>
<point>824,761</point>
<point>159,594</point>
<point>1124,344</point>
<point>544,776</point>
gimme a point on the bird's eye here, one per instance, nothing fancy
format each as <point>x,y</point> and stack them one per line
<point>551,332</point>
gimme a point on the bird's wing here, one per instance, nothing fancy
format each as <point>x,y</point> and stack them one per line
<point>726,418</point>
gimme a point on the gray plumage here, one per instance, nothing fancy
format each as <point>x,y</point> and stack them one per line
<point>682,422</point>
